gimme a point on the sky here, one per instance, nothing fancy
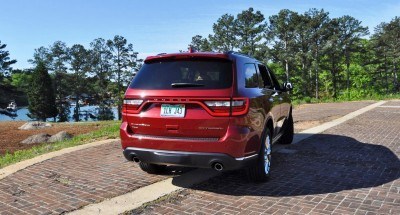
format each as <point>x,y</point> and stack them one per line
<point>151,26</point>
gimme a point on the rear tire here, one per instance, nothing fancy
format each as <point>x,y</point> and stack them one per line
<point>260,171</point>
<point>287,137</point>
<point>152,168</point>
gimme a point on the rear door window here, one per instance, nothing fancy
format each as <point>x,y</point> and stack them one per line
<point>194,74</point>
<point>251,76</point>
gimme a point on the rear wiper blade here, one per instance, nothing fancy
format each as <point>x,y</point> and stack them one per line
<point>186,85</point>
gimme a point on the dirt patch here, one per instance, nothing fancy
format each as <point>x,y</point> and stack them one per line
<point>11,136</point>
<point>303,125</point>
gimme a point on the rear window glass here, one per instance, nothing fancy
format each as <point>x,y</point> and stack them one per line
<point>193,74</point>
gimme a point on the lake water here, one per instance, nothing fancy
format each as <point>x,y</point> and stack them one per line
<point>22,114</point>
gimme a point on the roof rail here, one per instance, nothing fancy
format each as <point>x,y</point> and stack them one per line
<point>238,53</point>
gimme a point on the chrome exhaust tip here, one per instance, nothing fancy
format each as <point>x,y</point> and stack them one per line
<point>218,167</point>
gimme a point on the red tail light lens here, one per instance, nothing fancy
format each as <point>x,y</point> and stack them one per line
<point>131,104</point>
<point>224,108</point>
<point>239,106</point>
<point>219,106</point>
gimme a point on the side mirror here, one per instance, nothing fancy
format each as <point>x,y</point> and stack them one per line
<point>288,86</point>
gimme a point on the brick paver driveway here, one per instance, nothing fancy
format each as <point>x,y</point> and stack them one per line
<point>353,168</point>
<point>73,180</point>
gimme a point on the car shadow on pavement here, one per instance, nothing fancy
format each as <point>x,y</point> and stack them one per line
<point>320,164</point>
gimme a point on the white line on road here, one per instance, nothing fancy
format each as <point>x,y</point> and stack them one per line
<point>389,106</point>
<point>323,127</point>
<point>135,199</point>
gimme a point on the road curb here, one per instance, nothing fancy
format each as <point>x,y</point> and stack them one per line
<point>137,198</point>
<point>8,170</point>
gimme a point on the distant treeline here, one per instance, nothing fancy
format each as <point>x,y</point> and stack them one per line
<point>102,71</point>
<point>323,57</point>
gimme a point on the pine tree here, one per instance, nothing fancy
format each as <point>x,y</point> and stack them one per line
<point>41,97</point>
<point>5,61</point>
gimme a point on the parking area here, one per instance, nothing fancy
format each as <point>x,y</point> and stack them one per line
<point>350,168</point>
<point>353,168</point>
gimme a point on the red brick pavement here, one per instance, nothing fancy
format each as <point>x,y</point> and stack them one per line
<point>71,181</point>
<point>353,168</point>
<point>310,115</point>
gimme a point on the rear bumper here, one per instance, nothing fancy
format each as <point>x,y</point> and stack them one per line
<point>189,159</point>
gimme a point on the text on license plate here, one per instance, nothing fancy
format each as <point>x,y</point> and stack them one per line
<point>168,110</point>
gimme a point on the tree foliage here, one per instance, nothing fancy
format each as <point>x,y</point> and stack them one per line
<point>41,94</point>
<point>323,57</point>
<point>124,60</point>
<point>103,71</point>
<point>249,28</point>
<point>200,44</point>
<point>224,37</point>
<point>5,61</point>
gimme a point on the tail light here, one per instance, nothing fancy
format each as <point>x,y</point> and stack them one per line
<point>234,107</point>
<point>219,106</point>
<point>131,105</point>
<point>215,107</point>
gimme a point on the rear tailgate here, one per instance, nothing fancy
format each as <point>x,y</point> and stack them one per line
<point>196,120</point>
<point>171,98</point>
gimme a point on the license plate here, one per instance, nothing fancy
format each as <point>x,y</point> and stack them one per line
<point>168,110</point>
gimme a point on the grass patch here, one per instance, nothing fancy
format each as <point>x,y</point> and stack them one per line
<point>109,130</point>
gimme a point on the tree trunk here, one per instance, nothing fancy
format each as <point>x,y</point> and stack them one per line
<point>286,63</point>
<point>333,71</point>
<point>304,74</point>
<point>76,110</point>
<point>386,74</point>
<point>316,75</point>
<point>395,81</point>
<point>287,70</point>
<point>348,74</point>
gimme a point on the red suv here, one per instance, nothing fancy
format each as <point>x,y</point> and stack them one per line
<point>208,110</point>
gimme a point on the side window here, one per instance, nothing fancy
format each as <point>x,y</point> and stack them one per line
<point>275,82</point>
<point>251,76</point>
<point>266,79</point>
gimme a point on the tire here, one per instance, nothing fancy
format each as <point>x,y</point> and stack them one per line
<point>260,171</point>
<point>152,168</point>
<point>288,132</point>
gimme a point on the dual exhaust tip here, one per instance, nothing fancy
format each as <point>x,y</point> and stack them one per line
<point>136,159</point>
<point>216,166</point>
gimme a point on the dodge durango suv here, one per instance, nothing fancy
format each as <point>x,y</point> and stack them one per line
<point>206,110</point>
